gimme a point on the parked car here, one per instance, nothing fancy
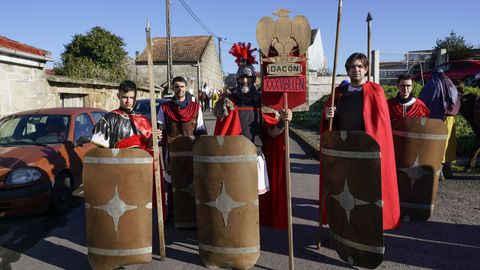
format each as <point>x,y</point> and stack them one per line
<point>461,70</point>
<point>476,80</point>
<point>143,106</point>
<point>41,153</point>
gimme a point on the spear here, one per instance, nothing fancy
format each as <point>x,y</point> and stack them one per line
<point>332,95</point>
<point>369,44</point>
<point>337,39</point>
<point>156,155</point>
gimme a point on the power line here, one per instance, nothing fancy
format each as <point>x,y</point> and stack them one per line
<point>196,18</point>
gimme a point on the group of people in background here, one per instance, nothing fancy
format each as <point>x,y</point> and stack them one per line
<point>208,97</point>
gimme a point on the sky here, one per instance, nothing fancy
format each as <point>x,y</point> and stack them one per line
<point>397,26</point>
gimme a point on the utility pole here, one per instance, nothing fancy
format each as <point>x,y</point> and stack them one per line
<point>169,46</point>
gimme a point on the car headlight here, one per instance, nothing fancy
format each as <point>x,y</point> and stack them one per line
<point>23,175</point>
<point>477,76</point>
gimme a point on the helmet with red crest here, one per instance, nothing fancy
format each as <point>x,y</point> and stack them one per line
<point>245,59</point>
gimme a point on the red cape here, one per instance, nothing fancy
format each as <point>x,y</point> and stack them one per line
<point>273,204</point>
<point>171,110</point>
<point>377,124</point>
<point>417,109</point>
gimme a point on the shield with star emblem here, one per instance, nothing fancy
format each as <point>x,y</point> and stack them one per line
<point>181,164</point>
<point>419,147</point>
<point>226,186</point>
<point>350,162</point>
<point>118,206</point>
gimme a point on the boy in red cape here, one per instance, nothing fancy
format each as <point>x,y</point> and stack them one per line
<point>240,113</point>
<point>361,105</point>
<point>125,128</point>
<point>405,104</point>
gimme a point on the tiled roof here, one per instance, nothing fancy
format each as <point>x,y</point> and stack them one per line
<point>17,46</point>
<point>184,49</point>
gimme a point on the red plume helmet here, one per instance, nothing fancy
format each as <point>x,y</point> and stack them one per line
<point>245,59</point>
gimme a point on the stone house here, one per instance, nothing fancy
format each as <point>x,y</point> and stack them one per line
<point>22,77</point>
<point>194,58</point>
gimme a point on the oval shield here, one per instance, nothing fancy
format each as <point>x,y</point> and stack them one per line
<point>419,147</point>
<point>118,206</point>
<point>350,163</point>
<point>225,175</point>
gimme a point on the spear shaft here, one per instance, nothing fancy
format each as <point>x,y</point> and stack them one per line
<point>330,121</point>
<point>156,151</point>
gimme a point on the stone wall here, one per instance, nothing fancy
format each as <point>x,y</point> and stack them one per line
<point>160,72</point>
<point>210,70</point>
<point>23,88</point>
<point>96,94</point>
<point>320,86</point>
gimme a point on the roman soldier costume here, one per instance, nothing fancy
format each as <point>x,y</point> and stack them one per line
<point>406,107</point>
<point>122,128</point>
<point>241,113</point>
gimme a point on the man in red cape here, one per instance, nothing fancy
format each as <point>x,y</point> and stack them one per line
<point>362,105</point>
<point>405,104</point>
<point>180,117</point>
<point>240,113</point>
<point>125,128</point>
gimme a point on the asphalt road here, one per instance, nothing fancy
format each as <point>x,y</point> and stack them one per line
<point>449,240</point>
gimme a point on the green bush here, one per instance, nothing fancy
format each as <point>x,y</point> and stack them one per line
<point>98,54</point>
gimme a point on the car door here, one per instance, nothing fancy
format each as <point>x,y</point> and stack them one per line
<point>83,126</point>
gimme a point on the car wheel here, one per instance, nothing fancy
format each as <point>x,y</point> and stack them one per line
<point>61,197</point>
<point>469,81</point>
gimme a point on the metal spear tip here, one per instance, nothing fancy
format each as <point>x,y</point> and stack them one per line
<point>147,28</point>
<point>369,17</point>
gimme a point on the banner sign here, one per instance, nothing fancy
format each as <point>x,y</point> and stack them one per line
<point>283,45</point>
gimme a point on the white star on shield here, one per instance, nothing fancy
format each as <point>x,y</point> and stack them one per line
<point>116,208</point>
<point>415,171</point>
<point>347,201</point>
<point>224,204</point>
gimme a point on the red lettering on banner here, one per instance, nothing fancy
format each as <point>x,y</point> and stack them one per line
<point>284,84</point>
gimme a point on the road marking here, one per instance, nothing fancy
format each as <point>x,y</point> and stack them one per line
<point>67,243</point>
<point>431,241</point>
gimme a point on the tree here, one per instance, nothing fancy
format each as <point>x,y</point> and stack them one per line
<point>98,54</point>
<point>453,42</point>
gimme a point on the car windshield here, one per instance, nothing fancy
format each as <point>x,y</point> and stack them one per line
<point>143,106</point>
<point>33,129</point>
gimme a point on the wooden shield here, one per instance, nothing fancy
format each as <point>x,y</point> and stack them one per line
<point>419,147</point>
<point>181,164</point>
<point>225,175</point>
<point>350,163</point>
<point>118,206</point>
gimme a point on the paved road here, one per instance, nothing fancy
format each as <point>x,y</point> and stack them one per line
<point>450,240</point>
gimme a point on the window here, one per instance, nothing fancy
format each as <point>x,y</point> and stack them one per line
<point>97,116</point>
<point>83,126</point>
<point>72,100</point>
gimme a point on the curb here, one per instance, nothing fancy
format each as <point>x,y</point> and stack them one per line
<point>305,143</point>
